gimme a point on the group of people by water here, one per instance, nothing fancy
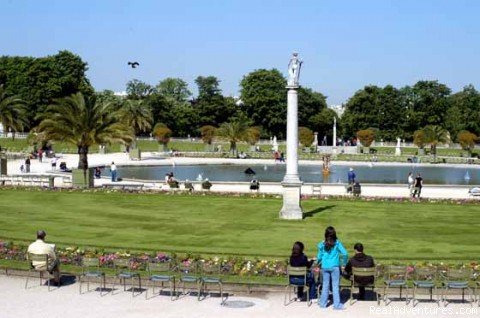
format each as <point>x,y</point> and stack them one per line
<point>332,258</point>
<point>415,185</point>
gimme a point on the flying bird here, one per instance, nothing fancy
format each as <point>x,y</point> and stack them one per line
<point>133,64</point>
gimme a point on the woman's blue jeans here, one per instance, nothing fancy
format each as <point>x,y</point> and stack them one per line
<point>334,274</point>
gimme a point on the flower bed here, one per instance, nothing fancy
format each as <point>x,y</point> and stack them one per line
<point>228,265</point>
<point>232,265</point>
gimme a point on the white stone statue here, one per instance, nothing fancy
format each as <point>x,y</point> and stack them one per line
<point>294,69</point>
<point>398,142</point>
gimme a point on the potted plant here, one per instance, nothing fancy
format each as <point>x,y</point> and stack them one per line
<point>366,137</point>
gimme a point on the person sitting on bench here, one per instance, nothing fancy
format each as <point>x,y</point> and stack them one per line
<point>254,185</point>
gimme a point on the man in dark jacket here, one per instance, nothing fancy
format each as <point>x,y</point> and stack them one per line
<point>360,260</point>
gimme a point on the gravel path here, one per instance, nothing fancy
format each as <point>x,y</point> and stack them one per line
<point>36,301</point>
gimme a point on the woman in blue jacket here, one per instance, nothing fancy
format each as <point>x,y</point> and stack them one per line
<point>328,256</point>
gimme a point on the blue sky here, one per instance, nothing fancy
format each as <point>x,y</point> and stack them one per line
<point>345,44</point>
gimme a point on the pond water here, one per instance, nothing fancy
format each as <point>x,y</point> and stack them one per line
<point>310,173</point>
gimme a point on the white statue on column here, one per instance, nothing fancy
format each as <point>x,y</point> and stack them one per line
<point>291,183</point>
<point>294,67</point>
<point>398,150</point>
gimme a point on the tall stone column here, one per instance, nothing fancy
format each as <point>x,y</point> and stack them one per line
<point>291,183</point>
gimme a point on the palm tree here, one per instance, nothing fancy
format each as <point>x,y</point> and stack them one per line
<point>137,115</point>
<point>234,132</point>
<point>435,135</point>
<point>83,122</point>
<point>12,112</point>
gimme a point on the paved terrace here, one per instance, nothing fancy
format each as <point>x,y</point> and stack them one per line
<point>36,301</point>
<point>371,190</point>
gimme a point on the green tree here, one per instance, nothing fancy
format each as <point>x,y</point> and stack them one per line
<point>464,111</point>
<point>12,113</point>
<point>391,115</point>
<point>80,121</point>
<point>233,132</point>
<point>108,96</point>
<point>310,103</point>
<point>426,103</point>
<point>213,108</point>
<point>362,110</point>
<point>208,87</point>
<point>174,88</point>
<point>38,81</point>
<point>381,108</point>
<point>136,89</point>
<point>265,100</point>
<point>184,119</point>
<point>467,140</point>
<point>435,135</point>
<point>323,122</point>
<point>305,136</point>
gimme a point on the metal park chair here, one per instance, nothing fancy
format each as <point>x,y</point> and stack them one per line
<point>123,272</point>
<point>91,270</point>
<point>210,274</point>
<point>161,273</point>
<point>189,275</point>
<point>363,272</point>
<point>296,277</point>
<point>425,278</point>
<point>395,277</point>
<point>38,258</point>
<point>457,279</point>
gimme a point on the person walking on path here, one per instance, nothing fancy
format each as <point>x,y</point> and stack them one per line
<point>27,165</point>
<point>113,170</point>
<point>417,187</point>
<point>328,256</point>
<point>54,163</point>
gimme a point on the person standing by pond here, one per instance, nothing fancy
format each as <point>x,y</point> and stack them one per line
<point>113,170</point>
<point>351,176</point>
<point>328,256</point>
<point>351,180</point>
<point>417,187</point>
<point>410,182</point>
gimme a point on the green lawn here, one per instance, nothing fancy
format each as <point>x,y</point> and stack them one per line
<point>239,225</point>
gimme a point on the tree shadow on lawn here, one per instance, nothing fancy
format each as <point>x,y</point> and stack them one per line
<point>311,213</point>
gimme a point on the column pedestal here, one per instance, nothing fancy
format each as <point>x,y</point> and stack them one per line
<point>291,209</point>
